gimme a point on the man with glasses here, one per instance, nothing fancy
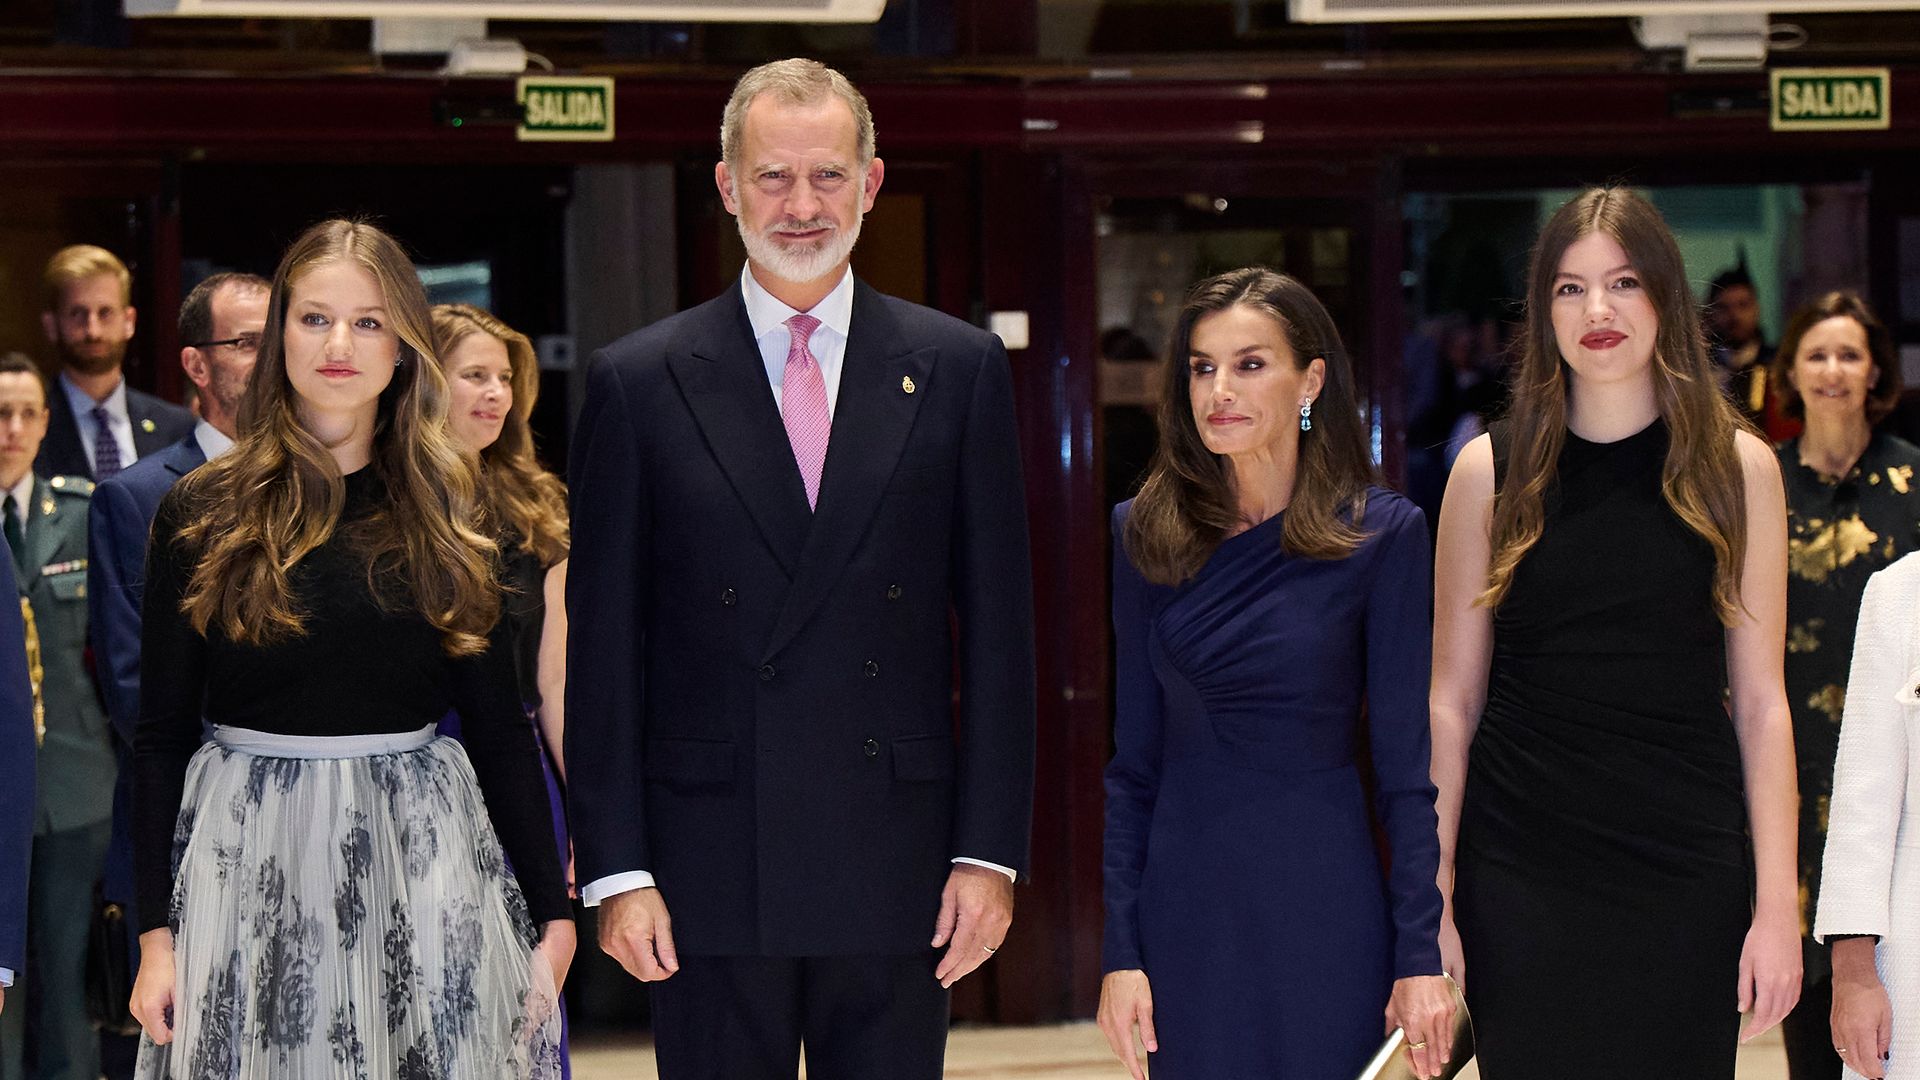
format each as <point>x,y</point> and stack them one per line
<point>221,321</point>
<point>45,524</point>
<point>97,424</point>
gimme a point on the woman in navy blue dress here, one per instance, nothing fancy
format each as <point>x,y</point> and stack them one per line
<point>1266,595</point>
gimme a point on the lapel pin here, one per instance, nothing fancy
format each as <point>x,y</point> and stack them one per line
<point>146,426</point>
<point>47,506</point>
<point>906,384</point>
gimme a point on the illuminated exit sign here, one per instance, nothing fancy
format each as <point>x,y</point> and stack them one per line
<point>1831,99</point>
<point>557,108</point>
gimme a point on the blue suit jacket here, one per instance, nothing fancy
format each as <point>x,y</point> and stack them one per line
<point>118,522</point>
<point>16,771</point>
<point>157,425</point>
<point>760,697</point>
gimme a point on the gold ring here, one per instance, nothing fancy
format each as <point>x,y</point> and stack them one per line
<point>1421,1045</point>
<point>990,949</point>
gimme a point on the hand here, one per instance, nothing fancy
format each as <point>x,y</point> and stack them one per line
<point>573,887</point>
<point>152,1001</point>
<point>1862,1016</point>
<point>1769,972</point>
<point>635,930</point>
<point>1453,955</point>
<point>1422,1006</point>
<point>3,999</point>
<point>1126,999</point>
<point>558,939</point>
<point>976,908</point>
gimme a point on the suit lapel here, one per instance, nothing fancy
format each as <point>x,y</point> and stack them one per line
<point>726,388</point>
<point>62,444</point>
<point>871,420</point>
<point>147,437</point>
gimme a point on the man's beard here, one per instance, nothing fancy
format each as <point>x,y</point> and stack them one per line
<point>226,388</point>
<point>110,360</point>
<point>800,263</point>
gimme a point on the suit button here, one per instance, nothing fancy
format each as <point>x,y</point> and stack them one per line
<point>727,598</point>
<point>873,669</point>
<point>766,673</point>
<point>872,748</point>
<point>893,592</point>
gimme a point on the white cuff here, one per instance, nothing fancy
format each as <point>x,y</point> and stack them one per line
<point>1012,875</point>
<point>6,976</point>
<point>614,885</point>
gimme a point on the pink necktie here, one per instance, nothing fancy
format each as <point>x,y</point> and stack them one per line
<point>803,406</point>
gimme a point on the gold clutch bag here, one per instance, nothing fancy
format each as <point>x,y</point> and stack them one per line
<point>1395,1062</point>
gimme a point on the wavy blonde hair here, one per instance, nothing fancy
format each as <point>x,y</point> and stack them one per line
<point>518,493</point>
<point>1702,479</point>
<point>259,509</point>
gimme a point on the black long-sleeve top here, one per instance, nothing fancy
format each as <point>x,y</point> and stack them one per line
<point>358,669</point>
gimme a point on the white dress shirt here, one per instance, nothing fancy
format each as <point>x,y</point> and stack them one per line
<point>118,421</point>
<point>212,442</point>
<point>768,316</point>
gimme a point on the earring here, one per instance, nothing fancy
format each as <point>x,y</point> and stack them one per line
<point>1306,415</point>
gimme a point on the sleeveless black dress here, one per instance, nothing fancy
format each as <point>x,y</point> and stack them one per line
<point>1604,876</point>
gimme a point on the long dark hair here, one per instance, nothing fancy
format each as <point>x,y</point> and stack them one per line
<point>278,494</point>
<point>1187,505</point>
<point>1702,478</point>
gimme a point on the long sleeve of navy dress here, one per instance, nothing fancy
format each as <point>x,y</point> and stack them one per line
<point>1269,712</point>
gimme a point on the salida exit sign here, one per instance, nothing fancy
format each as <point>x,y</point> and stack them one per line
<point>1831,99</point>
<point>566,108</point>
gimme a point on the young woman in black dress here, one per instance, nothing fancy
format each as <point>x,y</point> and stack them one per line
<point>1612,744</point>
<point>323,888</point>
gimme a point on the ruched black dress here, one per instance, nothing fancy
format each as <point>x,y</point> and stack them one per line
<point>1603,872</point>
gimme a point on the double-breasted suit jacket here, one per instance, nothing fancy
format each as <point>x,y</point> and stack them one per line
<point>761,698</point>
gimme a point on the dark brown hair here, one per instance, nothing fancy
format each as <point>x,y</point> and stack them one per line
<point>1843,303</point>
<point>196,311</point>
<point>277,495</point>
<point>1702,479</point>
<point>1187,505</point>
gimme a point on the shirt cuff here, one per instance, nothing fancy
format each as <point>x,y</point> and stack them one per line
<point>1012,874</point>
<point>614,885</point>
<point>6,976</point>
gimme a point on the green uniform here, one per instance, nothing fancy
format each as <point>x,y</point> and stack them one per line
<point>74,806</point>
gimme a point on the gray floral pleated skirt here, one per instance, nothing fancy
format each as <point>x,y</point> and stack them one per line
<point>342,909</point>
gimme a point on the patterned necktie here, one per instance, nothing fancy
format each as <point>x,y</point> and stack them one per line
<point>803,406</point>
<point>16,540</point>
<point>106,448</point>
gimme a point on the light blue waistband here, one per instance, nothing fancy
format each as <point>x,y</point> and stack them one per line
<point>270,744</point>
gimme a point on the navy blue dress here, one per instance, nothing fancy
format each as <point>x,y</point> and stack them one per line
<point>1241,869</point>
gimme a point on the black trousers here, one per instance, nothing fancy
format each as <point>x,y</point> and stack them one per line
<point>1808,1031</point>
<point>747,1017</point>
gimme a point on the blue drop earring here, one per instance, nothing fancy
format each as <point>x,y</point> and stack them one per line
<point>1306,415</point>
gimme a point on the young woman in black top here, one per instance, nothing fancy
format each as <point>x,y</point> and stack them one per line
<point>322,889</point>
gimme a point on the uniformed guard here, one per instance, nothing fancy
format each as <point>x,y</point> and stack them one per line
<point>45,522</point>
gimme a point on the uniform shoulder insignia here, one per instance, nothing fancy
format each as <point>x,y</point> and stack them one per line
<point>78,486</point>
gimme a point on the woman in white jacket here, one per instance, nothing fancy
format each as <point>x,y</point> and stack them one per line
<point>1869,910</point>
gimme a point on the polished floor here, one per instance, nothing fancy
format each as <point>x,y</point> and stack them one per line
<point>1058,1052</point>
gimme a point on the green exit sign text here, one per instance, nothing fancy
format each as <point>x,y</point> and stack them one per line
<point>556,108</point>
<point>1830,99</point>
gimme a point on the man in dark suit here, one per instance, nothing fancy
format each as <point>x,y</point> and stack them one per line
<point>97,424</point>
<point>16,779</point>
<point>220,322</point>
<point>787,501</point>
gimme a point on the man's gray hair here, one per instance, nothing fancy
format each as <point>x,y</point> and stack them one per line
<point>794,82</point>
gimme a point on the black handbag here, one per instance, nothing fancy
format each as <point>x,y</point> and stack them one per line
<point>109,969</point>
